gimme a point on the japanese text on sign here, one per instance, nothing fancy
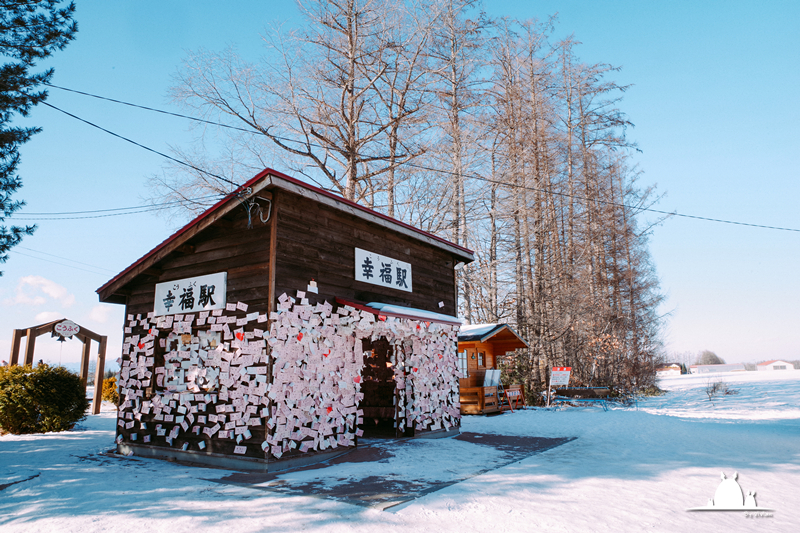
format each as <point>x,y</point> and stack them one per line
<point>191,294</point>
<point>67,328</point>
<point>381,270</point>
<point>560,375</point>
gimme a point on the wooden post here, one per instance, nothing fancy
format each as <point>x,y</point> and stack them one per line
<point>87,347</point>
<point>98,376</point>
<point>29,345</point>
<point>16,339</point>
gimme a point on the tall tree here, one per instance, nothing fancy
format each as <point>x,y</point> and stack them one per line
<point>30,30</point>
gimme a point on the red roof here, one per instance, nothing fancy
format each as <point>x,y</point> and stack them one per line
<point>765,363</point>
<point>261,175</point>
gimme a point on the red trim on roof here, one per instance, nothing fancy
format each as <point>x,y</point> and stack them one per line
<point>765,363</point>
<point>261,175</point>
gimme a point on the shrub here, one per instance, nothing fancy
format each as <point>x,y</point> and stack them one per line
<point>40,399</point>
<point>719,388</point>
<point>110,392</point>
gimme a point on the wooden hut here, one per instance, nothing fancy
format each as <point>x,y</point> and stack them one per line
<point>479,348</point>
<point>283,323</point>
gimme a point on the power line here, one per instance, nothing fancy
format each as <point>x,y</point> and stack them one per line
<point>421,167</point>
<point>57,263</point>
<point>135,207</point>
<point>184,163</point>
<point>64,258</point>
<point>143,210</point>
<point>605,202</point>
<point>163,112</point>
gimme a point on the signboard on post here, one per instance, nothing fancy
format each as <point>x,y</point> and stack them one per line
<point>383,271</point>
<point>190,295</point>
<point>560,375</point>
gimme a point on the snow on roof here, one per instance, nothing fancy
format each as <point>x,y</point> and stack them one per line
<point>414,313</point>
<point>479,330</point>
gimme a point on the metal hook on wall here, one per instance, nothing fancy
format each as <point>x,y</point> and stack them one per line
<point>260,211</point>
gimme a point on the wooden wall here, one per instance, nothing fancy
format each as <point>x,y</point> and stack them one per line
<point>476,372</point>
<point>318,242</point>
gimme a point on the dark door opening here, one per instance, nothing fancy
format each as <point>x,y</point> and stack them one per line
<point>379,389</point>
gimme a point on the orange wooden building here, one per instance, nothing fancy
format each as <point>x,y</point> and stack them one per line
<point>479,347</point>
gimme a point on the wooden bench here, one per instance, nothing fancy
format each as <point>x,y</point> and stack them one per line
<point>573,395</point>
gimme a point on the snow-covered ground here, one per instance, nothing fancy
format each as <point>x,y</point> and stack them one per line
<point>627,470</point>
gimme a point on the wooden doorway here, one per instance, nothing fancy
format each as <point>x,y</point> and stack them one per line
<point>379,389</point>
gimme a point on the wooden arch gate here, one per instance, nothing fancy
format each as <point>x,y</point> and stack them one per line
<point>84,335</point>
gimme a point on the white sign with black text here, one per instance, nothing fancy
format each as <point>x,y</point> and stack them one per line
<point>381,270</point>
<point>189,295</point>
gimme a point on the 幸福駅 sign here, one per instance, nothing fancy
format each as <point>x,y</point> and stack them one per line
<point>200,293</point>
<point>381,270</point>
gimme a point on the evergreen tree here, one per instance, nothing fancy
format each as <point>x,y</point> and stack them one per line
<point>30,30</point>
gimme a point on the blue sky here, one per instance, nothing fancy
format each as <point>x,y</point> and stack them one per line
<point>714,99</point>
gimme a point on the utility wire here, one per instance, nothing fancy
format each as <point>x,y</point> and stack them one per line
<point>57,263</point>
<point>184,163</point>
<point>143,210</point>
<point>163,204</point>
<point>604,202</point>
<point>64,258</point>
<point>421,167</point>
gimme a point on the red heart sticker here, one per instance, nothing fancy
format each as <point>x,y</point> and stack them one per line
<point>326,354</point>
<point>357,379</point>
<point>329,409</point>
<point>299,336</point>
<point>141,346</point>
<point>415,369</point>
<point>240,335</point>
<point>382,317</point>
<point>441,356</point>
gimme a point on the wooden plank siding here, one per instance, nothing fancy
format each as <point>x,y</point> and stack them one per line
<point>320,244</point>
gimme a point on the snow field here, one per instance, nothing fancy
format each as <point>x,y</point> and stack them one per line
<point>627,470</point>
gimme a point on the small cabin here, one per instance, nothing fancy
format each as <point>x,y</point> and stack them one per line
<point>281,325</point>
<point>668,369</point>
<point>713,369</point>
<point>775,364</point>
<point>479,348</point>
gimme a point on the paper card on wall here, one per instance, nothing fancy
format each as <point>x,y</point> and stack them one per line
<point>216,312</point>
<point>230,307</point>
